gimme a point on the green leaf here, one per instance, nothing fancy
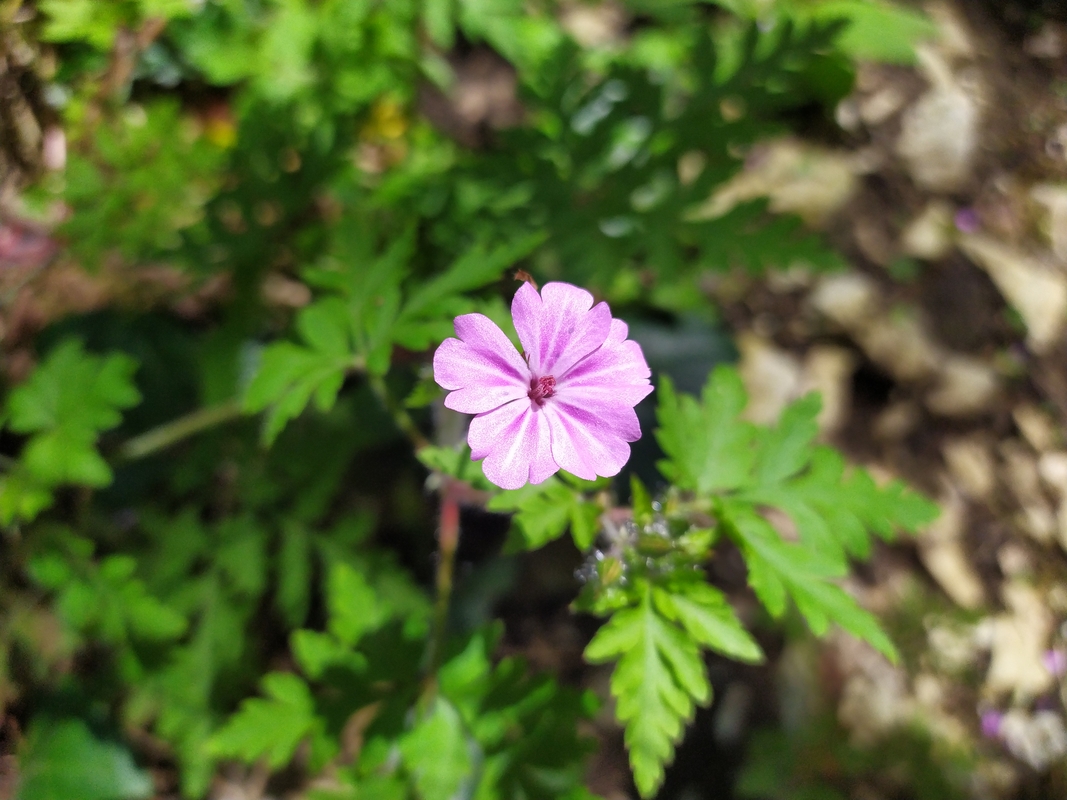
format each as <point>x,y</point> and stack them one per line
<point>21,497</point>
<point>437,754</point>
<point>708,448</point>
<point>65,404</point>
<point>294,573</point>
<point>658,677</point>
<point>355,608</point>
<point>640,502</point>
<point>62,759</point>
<point>106,599</point>
<point>426,317</point>
<point>705,614</point>
<point>544,511</point>
<point>292,375</point>
<point>455,463</point>
<point>778,568</point>
<point>273,727</point>
<point>877,31</point>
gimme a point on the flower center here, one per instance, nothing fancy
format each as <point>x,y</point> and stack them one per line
<point>542,388</point>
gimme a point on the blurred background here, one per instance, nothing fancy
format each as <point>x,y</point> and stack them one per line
<point>859,197</point>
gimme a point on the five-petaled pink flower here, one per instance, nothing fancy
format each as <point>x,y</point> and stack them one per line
<point>566,403</point>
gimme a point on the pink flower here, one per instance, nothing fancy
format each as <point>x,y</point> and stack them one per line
<point>567,403</point>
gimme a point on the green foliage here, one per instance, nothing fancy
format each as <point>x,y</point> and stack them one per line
<point>743,469</point>
<point>68,401</point>
<point>600,169</point>
<point>104,599</point>
<point>545,511</point>
<point>659,674</point>
<point>274,727</point>
<point>876,30</point>
<point>64,759</point>
<point>364,314</point>
<point>142,188</point>
<point>271,219</point>
<point>98,23</point>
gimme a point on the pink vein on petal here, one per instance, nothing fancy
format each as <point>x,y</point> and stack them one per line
<point>583,445</point>
<point>515,442</point>
<point>483,371</point>
<point>616,375</point>
<point>560,328</point>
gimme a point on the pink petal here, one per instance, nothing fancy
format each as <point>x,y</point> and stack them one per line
<point>515,442</point>
<point>483,371</point>
<point>583,443</point>
<point>560,327</point>
<point>618,362</point>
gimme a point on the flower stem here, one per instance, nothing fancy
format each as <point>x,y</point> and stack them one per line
<point>447,543</point>
<point>169,433</point>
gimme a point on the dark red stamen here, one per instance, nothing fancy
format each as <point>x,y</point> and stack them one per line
<point>541,388</point>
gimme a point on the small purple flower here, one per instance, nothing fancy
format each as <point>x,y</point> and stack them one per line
<point>566,403</point>
<point>991,722</point>
<point>1055,662</point>
<point>967,220</point>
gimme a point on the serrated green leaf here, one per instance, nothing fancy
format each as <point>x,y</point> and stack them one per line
<point>292,375</point>
<point>544,511</point>
<point>437,754</point>
<point>777,567</point>
<point>640,502</point>
<point>355,608</point>
<point>877,31</point>
<point>272,728</point>
<point>21,498</point>
<point>705,614</point>
<point>62,759</point>
<point>658,677</point>
<point>426,317</point>
<point>66,403</point>
<point>708,448</point>
<point>786,448</point>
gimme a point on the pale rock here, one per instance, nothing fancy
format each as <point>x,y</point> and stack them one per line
<point>941,551</point>
<point>1038,740</point>
<point>881,105</point>
<point>971,463</point>
<point>847,115</point>
<point>901,344</point>
<point>965,387</point>
<point>1061,523</point>
<point>1052,467</point>
<point>875,698</point>
<point>930,235</point>
<point>1018,641</point>
<point>1020,473</point>
<point>897,421</point>
<point>952,648</point>
<point>1036,426</point>
<point>1049,42</point>
<point>798,178</point>
<point>828,370</point>
<point>593,26</point>
<point>1053,199</point>
<point>954,39</point>
<point>940,134</point>
<point>1035,289</point>
<point>771,375</point>
<point>1014,561</point>
<point>848,299</point>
